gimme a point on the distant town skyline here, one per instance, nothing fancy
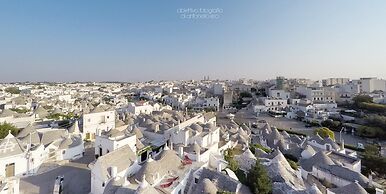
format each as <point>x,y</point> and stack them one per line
<point>140,41</point>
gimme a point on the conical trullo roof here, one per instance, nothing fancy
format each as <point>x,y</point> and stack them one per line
<point>138,132</point>
<point>7,113</point>
<point>74,128</point>
<point>41,112</point>
<point>119,123</point>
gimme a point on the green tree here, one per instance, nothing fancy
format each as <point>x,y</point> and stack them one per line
<point>376,121</point>
<point>19,110</point>
<point>12,90</point>
<point>370,132</point>
<point>224,192</point>
<point>258,180</point>
<point>5,128</point>
<point>362,98</point>
<point>331,124</point>
<point>48,107</point>
<point>229,157</point>
<point>245,95</point>
<point>373,107</point>
<point>373,161</point>
<point>325,132</point>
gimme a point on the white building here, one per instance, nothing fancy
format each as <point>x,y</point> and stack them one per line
<point>112,166</point>
<point>108,141</point>
<point>369,85</point>
<point>335,81</point>
<point>280,94</point>
<point>142,108</point>
<point>204,103</point>
<point>9,185</point>
<point>318,94</point>
<point>347,91</point>
<point>97,120</point>
<point>13,161</point>
<point>218,89</point>
<point>270,104</point>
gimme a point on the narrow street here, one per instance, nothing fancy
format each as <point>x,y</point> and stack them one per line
<point>76,177</point>
<point>245,116</point>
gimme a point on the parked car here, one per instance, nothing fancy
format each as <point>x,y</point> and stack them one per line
<point>360,146</point>
<point>58,185</point>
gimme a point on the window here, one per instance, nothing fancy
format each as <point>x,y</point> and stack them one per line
<point>10,170</point>
<point>196,180</point>
<point>328,147</point>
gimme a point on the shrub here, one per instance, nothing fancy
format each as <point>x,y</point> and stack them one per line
<point>241,176</point>
<point>258,180</point>
<point>254,146</point>
<point>5,128</point>
<point>293,164</point>
<point>325,132</point>
<point>59,116</point>
<point>290,157</point>
<point>19,110</point>
<point>293,132</point>
<point>48,107</point>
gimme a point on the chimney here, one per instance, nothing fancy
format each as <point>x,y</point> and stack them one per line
<point>144,183</point>
<point>171,143</point>
<point>227,137</point>
<point>328,147</point>
<point>113,172</point>
<point>166,147</point>
<point>219,166</point>
<point>197,149</point>
<point>126,181</point>
<point>378,191</point>
<point>342,144</point>
<point>181,151</point>
<point>156,128</point>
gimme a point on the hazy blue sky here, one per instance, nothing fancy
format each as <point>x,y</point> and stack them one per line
<point>142,40</point>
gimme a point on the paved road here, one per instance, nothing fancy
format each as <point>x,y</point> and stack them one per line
<point>76,178</point>
<point>245,116</point>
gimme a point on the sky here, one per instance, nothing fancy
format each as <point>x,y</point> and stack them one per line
<point>122,40</point>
